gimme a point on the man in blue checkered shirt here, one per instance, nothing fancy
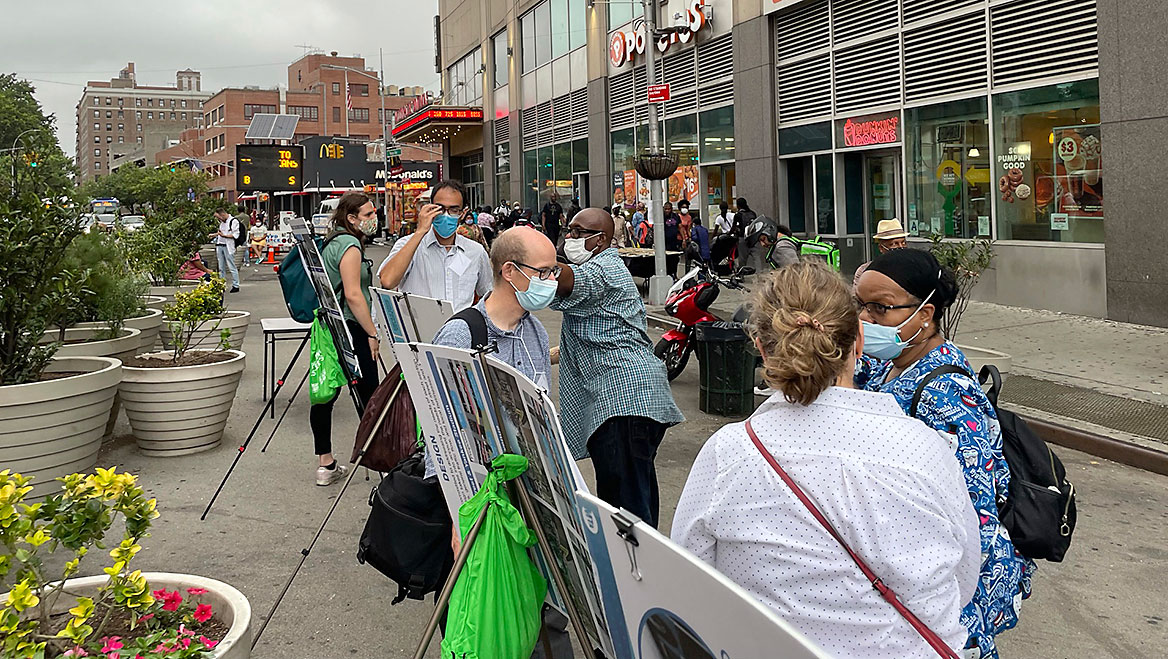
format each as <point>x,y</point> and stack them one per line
<point>615,400</point>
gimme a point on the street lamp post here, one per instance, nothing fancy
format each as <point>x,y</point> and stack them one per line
<point>660,282</point>
<point>12,152</point>
<point>384,119</point>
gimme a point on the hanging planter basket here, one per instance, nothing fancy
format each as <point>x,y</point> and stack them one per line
<point>656,166</point>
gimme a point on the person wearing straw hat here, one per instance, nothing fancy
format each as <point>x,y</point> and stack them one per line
<point>890,235</point>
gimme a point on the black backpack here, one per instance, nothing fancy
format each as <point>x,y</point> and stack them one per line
<point>243,227</point>
<point>478,326</point>
<point>1039,510</point>
<point>407,535</point>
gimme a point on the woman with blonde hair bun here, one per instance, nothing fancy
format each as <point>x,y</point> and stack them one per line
<point>885,483</point>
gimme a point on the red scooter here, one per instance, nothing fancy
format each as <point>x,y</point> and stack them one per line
<point>689,301</point>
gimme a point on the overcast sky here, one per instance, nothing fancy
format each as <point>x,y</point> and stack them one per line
<point>61,44</point>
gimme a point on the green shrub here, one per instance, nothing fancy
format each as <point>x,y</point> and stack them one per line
<point>191,309</point>
<point>967,259</point>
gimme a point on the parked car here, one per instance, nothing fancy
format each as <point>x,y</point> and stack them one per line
<point>132,223</point>
<point>320,220</point>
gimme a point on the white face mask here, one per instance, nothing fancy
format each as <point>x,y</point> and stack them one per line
<point>576,250</point>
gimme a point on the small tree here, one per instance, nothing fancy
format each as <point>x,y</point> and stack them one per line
<point>191,309</point>
<point>967,259</point>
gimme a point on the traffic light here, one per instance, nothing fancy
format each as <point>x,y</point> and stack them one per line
<point>30,159</point>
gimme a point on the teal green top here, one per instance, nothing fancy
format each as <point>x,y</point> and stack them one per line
<point>331,255</point>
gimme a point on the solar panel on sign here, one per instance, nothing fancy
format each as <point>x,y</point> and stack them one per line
<point>285,126</point>
<point>261,127</point>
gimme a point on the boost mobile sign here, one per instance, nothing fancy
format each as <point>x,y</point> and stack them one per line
<point>623,45</point>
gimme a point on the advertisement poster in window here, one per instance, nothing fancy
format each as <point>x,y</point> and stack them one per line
<point>1015,174</point>
<point>1078,172</point>
<point>683,184</point>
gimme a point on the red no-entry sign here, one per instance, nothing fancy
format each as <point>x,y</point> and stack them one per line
<point>659,93</point>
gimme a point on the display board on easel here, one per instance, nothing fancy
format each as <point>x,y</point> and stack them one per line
<point>407,318</point>
<point>663,602</point>
<point>332,316</point>
<point>472,408</point>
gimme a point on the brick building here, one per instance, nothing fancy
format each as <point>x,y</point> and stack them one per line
<point>316,92</point>
<point>120,121</point>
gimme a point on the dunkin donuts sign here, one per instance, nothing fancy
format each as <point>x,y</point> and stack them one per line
<point>869,132</point>
<point>623,46</point>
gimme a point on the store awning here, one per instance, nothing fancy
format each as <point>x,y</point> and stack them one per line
<point>436,123</point>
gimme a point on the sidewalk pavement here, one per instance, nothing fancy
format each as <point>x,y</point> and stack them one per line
<point>1102,376</point>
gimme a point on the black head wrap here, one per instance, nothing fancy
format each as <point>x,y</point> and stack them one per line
<point>919,274</point>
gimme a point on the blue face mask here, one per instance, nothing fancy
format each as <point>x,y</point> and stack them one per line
<point>539,293</point>
<point>884,342</point>
<point>445,225</point>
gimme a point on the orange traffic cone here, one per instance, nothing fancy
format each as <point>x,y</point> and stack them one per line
<point>271,258</point>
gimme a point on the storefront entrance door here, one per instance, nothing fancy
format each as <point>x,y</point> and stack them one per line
<point>881,192</point>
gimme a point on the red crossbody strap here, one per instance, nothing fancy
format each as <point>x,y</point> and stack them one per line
<point>928,634</point>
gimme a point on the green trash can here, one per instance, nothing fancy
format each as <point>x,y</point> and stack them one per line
<point>727,369</point>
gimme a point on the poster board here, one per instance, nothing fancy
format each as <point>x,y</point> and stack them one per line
<point>459,399</point>
<point>332,317</point>
<point>406,318</point>
<point>669,604</point>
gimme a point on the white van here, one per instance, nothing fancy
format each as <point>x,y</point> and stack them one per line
<point>320,221</point>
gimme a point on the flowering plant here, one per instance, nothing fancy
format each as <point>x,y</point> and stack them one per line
<point>154,623</point>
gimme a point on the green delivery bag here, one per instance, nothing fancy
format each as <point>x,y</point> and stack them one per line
<point>495,606</point>
<point>325,376</point>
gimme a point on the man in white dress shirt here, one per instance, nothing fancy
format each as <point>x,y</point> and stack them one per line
<point>225,239</point>
<point>435,261</point>
<point>886,482</point>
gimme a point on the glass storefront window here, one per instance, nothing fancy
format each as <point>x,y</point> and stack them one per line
<point>717,135</point>
<point>546,174</point>
<point>624,149</point>
<point>577,24</point>
<point>824,195</point>
<point>502,187</point>
<point>681,138</point>
<point>530,178</point>
<point>1047,176</point>
<point>801,139</point>
<point>579,156</point>
<point>800,190</point>
<point>950,187</point>
<point>562,170</point>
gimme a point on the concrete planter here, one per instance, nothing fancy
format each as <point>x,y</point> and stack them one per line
<point>148,324</point>
<point>54,428</point>
<point>979,357</point>
<point>228,605</point>
<point>123,347</point>
<point>211,258</point>
<point>153,301</point>
<point>178,410</point>
<point>207,335</point>
<point>167,292</point>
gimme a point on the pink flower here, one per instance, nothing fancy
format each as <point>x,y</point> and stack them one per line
<point>183,631</point>
<point>162,648</point>
<point>207,643</point>
<point>111,643</point>
<point>77,651</point>
<point>196,591</point>
<point>113,655</point>
<point>202,612</point>
<point>171,601</point>
<point>185,642</point>
<point>159,594</point>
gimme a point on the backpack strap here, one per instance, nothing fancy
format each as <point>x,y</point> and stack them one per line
<point>990,372</point>
<point>478,326</point>
<point>929,377</point>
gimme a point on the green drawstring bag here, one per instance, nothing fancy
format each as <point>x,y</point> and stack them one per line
<point>325,376</point>
<point>495,606</point>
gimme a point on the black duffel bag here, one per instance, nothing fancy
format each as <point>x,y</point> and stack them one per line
<point>407,535</point>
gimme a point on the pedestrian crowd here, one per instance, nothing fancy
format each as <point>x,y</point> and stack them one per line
<point>861,435</point>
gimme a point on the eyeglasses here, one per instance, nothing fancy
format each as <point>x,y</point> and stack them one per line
<point>578,232</point>
<point>451,210</point>
<point>877,310</point>
<point>542,273</point>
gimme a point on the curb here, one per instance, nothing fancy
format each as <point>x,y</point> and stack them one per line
<point>1125,453</point>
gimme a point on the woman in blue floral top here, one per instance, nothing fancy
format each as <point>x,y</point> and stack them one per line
<point>903,296</point>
